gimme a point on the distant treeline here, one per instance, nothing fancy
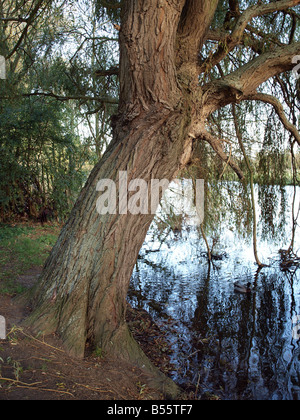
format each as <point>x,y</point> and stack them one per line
<point>42,161</point>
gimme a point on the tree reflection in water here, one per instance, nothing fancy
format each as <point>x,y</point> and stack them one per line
<point>233,346</point>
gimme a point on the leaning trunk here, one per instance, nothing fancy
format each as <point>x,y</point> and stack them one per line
<point>83,288</point>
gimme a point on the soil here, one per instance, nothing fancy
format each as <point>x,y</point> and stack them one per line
<point>37,368</point>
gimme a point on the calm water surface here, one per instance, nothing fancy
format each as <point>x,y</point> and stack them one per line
<point>224,344</point>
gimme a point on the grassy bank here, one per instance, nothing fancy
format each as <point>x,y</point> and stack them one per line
<point>23,248</point>
<point>37,367</point>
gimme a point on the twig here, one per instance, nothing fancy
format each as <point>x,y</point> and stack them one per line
<point>46,389</point>
<point>94,389</point>
<point>39,341</point>
<point>229,159</point>
<point>20,384</point>
<point>197,386</point>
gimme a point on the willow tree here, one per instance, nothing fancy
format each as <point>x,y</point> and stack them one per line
<point>164,105</point>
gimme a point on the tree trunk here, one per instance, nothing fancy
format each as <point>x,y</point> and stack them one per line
<point>83,288</point>
<point>84,284</point>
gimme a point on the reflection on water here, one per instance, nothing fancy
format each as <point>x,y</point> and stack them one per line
<point>224,344</point>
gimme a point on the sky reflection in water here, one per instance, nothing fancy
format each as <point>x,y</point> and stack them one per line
<point>233,346</point>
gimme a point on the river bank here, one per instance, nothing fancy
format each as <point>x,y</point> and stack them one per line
<point>37,368</point>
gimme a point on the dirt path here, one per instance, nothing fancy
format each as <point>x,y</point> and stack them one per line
<point>37,368</point>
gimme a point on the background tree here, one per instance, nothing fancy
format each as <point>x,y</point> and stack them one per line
<point>41,159</point>
<point>48,100</point>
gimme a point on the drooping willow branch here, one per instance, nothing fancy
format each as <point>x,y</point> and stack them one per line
<point>250,170</point>
<point>216,144</point>
<point>269,99</point>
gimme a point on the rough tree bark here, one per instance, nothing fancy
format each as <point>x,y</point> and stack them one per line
<point>82,291</point>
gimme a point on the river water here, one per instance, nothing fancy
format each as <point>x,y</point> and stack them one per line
<point>226,345</point>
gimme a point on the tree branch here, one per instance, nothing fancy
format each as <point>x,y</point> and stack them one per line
<point>82,98</point>
<point>269,99</point>
<point>243,82</point>
<point>29,21</point>
<point>112,6</point>
<point>235,38</point>
<point>249,77</point>
<point>16,20</point>
<point>196,18</point>
<point>216,144</point>
<point>114,71</point>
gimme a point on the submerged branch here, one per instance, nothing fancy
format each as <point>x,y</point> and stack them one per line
<point>206,243</point>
